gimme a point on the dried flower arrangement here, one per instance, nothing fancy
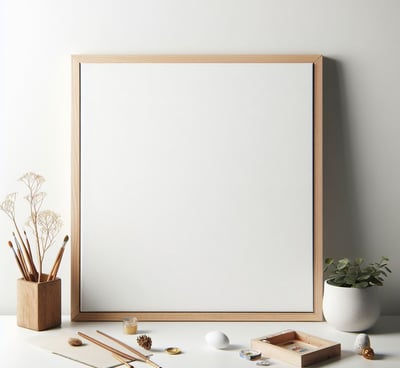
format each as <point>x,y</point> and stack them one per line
<point>45,226</point>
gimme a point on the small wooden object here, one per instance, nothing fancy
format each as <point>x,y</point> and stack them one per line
<point>295,347</point>
<point>39,304</point>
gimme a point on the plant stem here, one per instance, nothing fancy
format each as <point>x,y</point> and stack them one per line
<point>34,215</point>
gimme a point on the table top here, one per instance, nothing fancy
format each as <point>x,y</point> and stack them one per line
<point>19,347</point>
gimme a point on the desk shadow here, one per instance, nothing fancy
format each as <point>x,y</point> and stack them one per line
<point>233,347</point>
<point>385,325</point>
<point>381,356</point>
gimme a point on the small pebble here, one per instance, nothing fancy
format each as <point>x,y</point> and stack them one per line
<point>73,341</point>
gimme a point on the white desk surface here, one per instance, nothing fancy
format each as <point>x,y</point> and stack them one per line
<point>18,351</point>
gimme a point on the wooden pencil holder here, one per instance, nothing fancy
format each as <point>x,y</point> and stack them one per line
<point>39,304</point>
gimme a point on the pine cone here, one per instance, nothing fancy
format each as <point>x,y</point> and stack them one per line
<point>144,341</point>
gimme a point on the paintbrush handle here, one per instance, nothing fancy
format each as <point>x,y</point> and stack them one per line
<point>18,261</point>
<point>30,266</point>
<point>28,245</point>
<point>155,365</point>
<point>57,262</point>
<point>122,361</point>
<point>56,266</point>
<point>131,349</point>
<point>23,265</point>
<point>30,258</point>
<point>107,347</point>
<point>28,274</point>
<point>24,275</point>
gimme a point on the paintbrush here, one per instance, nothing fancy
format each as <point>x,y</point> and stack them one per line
<point>28,247</point>
<point>18,261</point>
<point>22,259</point>
<point>124,362</point>
<point>26,257</point>
<point>57,262</point>
<point>131,349</point>
<point>107,347</point>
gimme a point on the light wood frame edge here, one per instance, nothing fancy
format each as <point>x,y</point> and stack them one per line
<point>318,187</point>
<point>75,191</point>
<point>316,315</point>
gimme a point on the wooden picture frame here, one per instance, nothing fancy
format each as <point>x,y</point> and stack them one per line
<point>98,117</point>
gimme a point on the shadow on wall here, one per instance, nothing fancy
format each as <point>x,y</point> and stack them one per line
<point>343,232</point>
<point>342,236</point>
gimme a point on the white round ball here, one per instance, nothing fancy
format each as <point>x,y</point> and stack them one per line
<point>217,339</point>
<point>362,341</point>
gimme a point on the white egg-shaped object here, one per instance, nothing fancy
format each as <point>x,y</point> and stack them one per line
<point>362,341</point>
<point>217,339</point>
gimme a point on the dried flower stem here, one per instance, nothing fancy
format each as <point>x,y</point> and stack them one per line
<point>34,214</point>
<point>44,224</point>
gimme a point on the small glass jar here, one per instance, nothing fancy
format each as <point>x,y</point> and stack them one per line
<point>129,325</point>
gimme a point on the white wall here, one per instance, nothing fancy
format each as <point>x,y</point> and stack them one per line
<point>359,38</point>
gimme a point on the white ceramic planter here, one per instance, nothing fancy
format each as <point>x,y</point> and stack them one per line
<point>351,309</point>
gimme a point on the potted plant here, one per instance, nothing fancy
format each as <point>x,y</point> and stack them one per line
<point>351,300</point>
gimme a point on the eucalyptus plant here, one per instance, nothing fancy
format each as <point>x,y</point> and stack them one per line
<point>346,273</point>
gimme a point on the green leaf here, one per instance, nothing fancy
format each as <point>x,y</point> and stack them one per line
<point>338,280</point>
<point>364,276</point>
<point>342,263</point>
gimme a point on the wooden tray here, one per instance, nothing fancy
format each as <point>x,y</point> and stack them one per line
<point>296,347</point>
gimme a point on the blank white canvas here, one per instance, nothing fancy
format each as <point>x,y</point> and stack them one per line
<point>197,187</point>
